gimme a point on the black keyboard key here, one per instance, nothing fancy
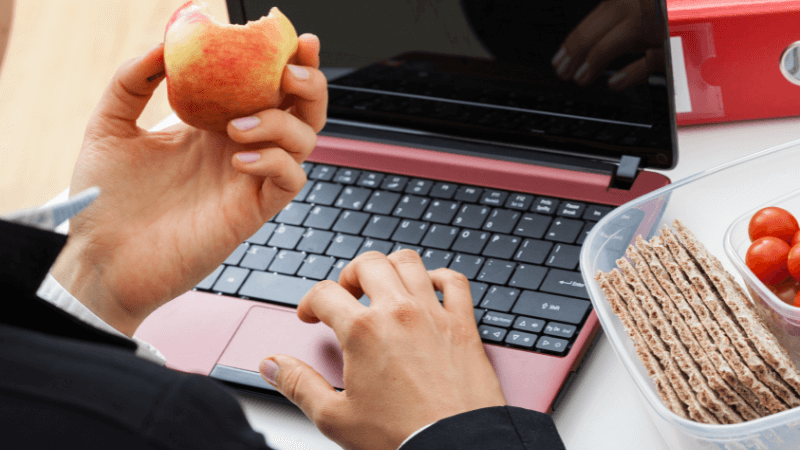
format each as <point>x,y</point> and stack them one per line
<point>572,209</point>
<point>353,198</point>
<point>234,258</point>
<point>370,179</point>
<point>478,290</point>
<point>501,246</point>
<point>441,211</point>
<point>587,227</point>
<point>529,324</point>
<point>519,201</point>
<point>499,298</point>
<point>263,234</point>
<point>478,315</point>
<point>394,183</point>
<point>316,267</point>
<point>436,259</point>
<point>293,214</point>
<point>276,288</point>
<point>544,205</point>
<point>496,271</point>
<point>596,212</point>
<point>502,220</point>
<point>375,245</point>
<point>468,194</point>
<point>322,173</point>
<point>564,230</point>
<point>490,333</point>
<point>493,197</point>
<point>532,226</point>
<point>307,166</point>
<point>533,251</point>
<point>443,190</point>
<point>440,236</point>
<point>553,307</point>
<point>351,222</point>
<point>258,257</point>
<point>416,248</point>
<point>562,330</point>
<point>528,277</point>
<point>410,232</point>
<point>471,241</point>
<point>286,236</point>
<point>230,280</point>
<point>344,246</point>
<point>381,227</point>
<point>324,193</point>
<point>337,269</point>
<point>209,281</point>
<point>419,186</point>
<point>346,176</point>
<point>468,265</point>
<point>498,319</point>
<point>564,256</point>
<point>321,217</point>
<point>315,241</point>
<point>411,207</point>
<point>563,282</point>
<point>521,339</point>
<point>472,216</point>
<point>304,192</point>
<point>381,202</point>
<point>552,344</point>
<point>287,262</point>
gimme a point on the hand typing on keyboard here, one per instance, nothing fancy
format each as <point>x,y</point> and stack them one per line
<point>409,360</point>
<point>175,203</point>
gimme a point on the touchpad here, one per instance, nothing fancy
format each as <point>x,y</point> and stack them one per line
<point>268,330</point>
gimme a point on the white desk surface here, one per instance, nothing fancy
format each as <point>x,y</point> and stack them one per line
<point>601,409</point>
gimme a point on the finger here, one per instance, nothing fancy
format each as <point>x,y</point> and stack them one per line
<point>455,290</point>
<point>308,48</point>
<point>126,97</point>
<point>612,45</point>
<point>328,302</point>
<point>277,127</point>
<point>632,74</point>
<point>373,274</point>
<point>283,176</point>
<point>301,384</point>
<point>308,88</point>
<point>595,25</point>
<point>412,272</point>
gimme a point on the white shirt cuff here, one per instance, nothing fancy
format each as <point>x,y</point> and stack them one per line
<point>52,291</point>
<point>414,434</point>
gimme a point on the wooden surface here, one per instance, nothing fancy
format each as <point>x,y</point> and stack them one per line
<point>61,56</point>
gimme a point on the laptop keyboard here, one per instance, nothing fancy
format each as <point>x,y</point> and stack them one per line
<point>519,251</point>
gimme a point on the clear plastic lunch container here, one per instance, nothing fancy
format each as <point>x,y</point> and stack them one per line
<point>716,206</point>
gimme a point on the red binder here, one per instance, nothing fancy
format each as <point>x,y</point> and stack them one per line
<point>727,57</point>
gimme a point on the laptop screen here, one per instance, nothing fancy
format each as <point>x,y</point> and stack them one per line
<point>584,78</point>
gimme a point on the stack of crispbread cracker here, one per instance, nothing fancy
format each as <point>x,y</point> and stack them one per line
<point>711,356</point>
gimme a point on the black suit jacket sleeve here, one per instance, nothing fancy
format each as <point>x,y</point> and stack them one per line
<point>500,428</point>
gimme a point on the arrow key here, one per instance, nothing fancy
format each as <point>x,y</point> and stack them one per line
<point>521,339</point>
<point>492,334</point>
<point>552,344</point>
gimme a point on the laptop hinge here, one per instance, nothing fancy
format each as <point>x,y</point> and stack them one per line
<point>626,172</point>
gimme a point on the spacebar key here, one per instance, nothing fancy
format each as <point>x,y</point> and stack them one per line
<point>276,288</point>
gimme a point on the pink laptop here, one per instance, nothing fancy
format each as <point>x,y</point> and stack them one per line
<point>448,133</point>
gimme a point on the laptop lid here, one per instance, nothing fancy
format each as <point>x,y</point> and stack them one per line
<point>581,84</point>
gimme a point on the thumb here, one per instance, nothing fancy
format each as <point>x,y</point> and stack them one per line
<point>301,384</point>
<point>131,88</point>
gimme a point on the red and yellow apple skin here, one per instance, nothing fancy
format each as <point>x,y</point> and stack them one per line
<point>218,72</point>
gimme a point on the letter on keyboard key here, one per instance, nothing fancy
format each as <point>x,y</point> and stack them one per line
<point>276,288</point>
<point>436,259</point>
<point>467,265</point>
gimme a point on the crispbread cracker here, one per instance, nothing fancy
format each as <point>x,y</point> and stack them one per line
<point>651,364</point>
<point>729,325</point>
<point>767,401</point>
<point>676,378</point>
<point>741,307</point>
<point>689,337</point>
<point>698,381</point>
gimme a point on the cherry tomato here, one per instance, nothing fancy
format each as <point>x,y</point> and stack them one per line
<point>793,262</point>
<point>797,300</point>
<point>773,221</point>
<point>795,239</point>
<point>767,258</point>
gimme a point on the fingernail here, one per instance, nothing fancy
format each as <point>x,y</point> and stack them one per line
<point>557,57</point>
<point>299,72</point>
<point>246,123</point>
<point>564,64</point>
<point>619,76</point>
<point>248,157</point>
<point>269,371</point>
<point>581,70</point>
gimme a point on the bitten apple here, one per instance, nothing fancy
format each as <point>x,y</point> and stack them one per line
<point>218,72</point>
